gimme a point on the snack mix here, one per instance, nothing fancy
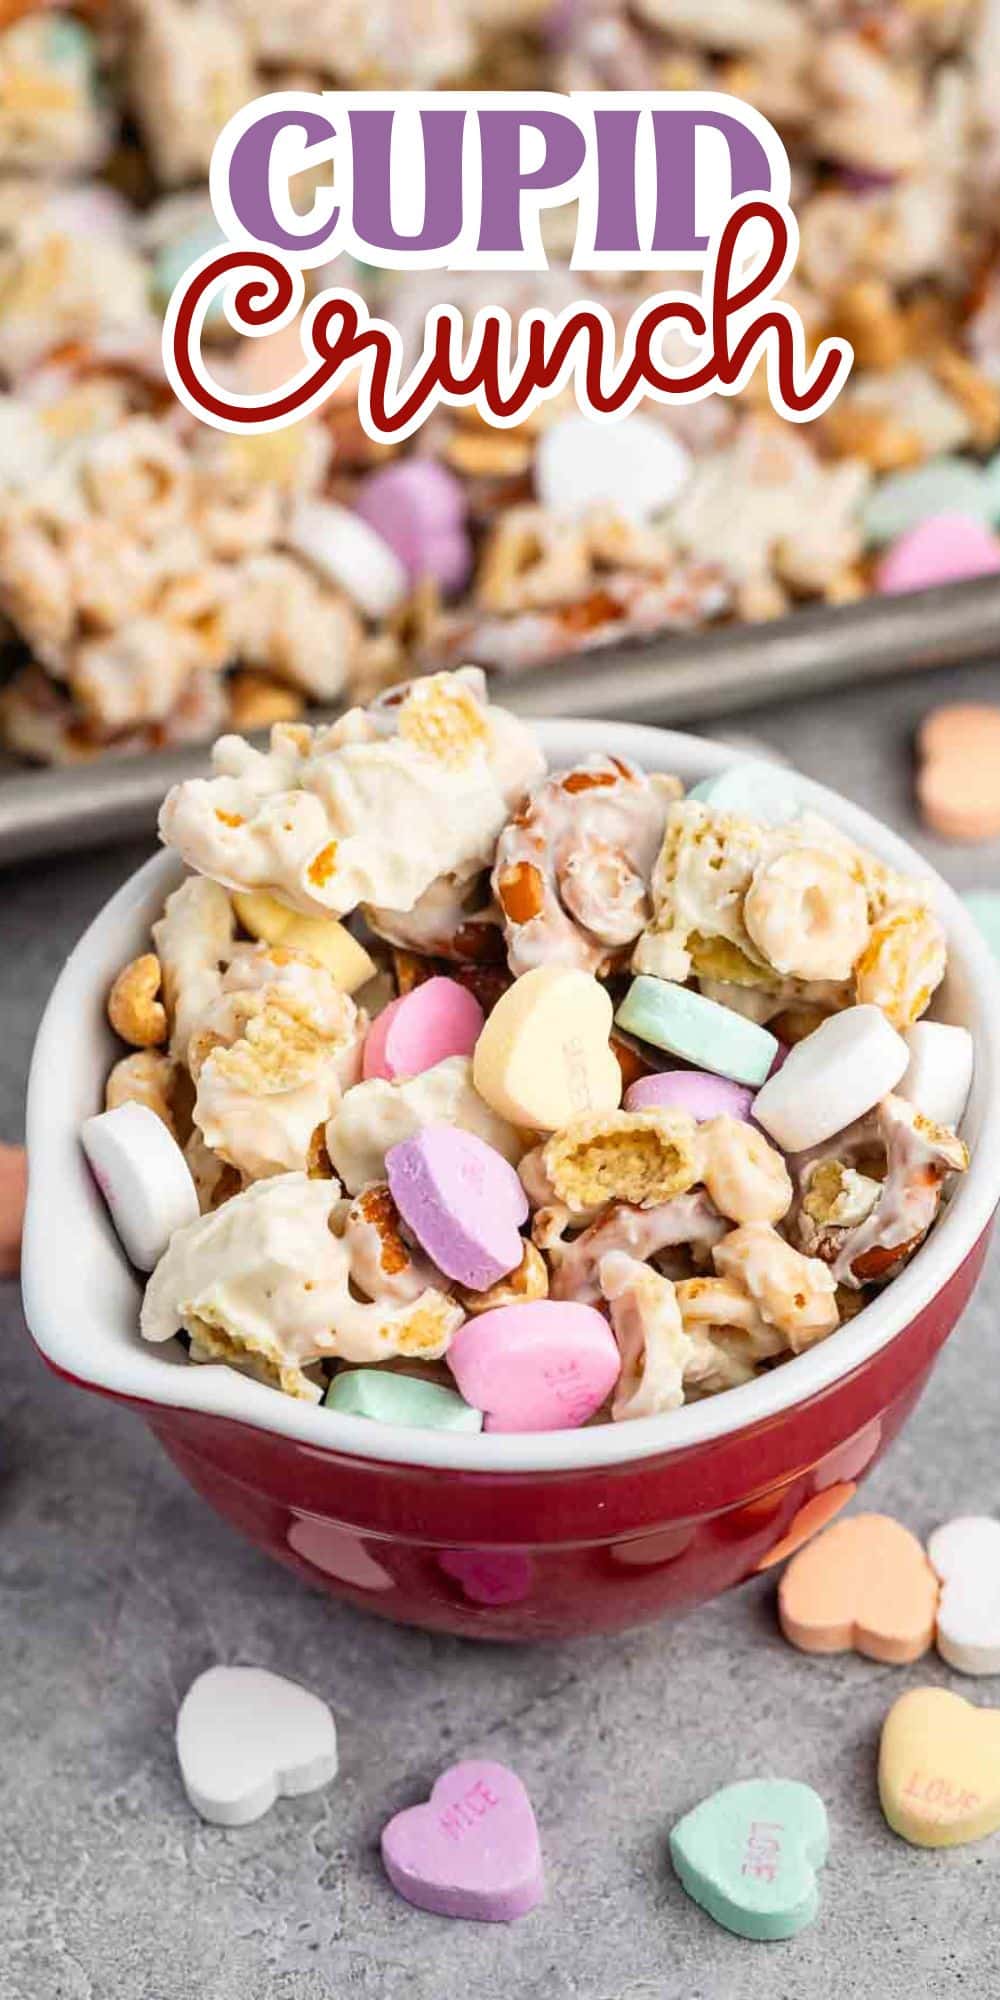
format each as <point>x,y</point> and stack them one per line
<point>160,581</point>
<point>377,1017</point>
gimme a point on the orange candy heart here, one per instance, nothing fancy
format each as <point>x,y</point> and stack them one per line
<point>864,1584</point>
<point>958,783</point>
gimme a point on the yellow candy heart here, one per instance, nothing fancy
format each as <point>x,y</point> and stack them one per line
<point>544,1056</point>
<point>326,940</point>
<point>939,1768</point>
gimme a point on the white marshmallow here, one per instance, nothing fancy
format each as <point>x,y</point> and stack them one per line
<point>966,1556</point>
<point>346,552</point>
<point>143,1177</point>
<point>246,1737</point>
<point>938,1076</point>
<point>634,467</point>
<point>845,1066</point>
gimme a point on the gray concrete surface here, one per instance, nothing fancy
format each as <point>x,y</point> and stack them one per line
<point>117,1586</point>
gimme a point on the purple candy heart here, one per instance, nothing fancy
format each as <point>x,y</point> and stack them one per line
<point>462,1201</point>
<point>419,508</point>
<point>472,1850</point>
<point>693,1090</point>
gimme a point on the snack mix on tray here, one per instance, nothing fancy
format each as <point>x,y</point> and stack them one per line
<point>159,582</point>
<point>376,1020</point>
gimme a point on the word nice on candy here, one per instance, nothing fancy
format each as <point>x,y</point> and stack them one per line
<point>472,1850</point>
<point>661,181</point>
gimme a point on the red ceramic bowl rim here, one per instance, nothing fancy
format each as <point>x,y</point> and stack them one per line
<point>81,1300</point>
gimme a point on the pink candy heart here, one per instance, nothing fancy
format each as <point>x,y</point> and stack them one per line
<point>436,1020</point>
<point>472,1850</point>
<point>693,1090</point>
<point>419,508</point>
<point>946,548</point>
<point>461,1200</point>
<point>546,1366</point>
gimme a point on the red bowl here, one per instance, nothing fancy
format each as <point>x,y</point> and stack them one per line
<point>503,1537</point>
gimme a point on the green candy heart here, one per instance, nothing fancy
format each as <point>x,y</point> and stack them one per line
<point>756,791</point>
<point>400,1399</point>
<point>749,1854</point>
<point>705,1034</point>
<point>943,486</point>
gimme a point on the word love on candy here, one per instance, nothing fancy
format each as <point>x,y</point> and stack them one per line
<point>472,1850</point>
<point>864,1584</point>
<point>749,1855</point>
<point>246,1737</point>
<point>939,1769</point>
<point>661,180</point>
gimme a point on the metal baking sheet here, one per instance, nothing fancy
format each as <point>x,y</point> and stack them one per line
<point>685,677</point>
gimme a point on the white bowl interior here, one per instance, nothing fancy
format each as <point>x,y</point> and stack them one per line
<point>82,1299</point>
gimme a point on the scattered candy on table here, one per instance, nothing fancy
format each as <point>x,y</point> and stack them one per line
<point>966,1556</point>
<point>750,1856</point>
<point>863,1584</point>
<point>246,1737</point>
<point>958,780</point>
<point>939,1768</point>
<point>472,1850</point>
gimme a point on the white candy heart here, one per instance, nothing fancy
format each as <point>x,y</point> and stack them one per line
<point>833,1077</point>
<point>346,552</point>
<point>634,467</point>
<point>939,1074</point>
<point>246,1737</point>
<point>966,1556</point>
<point>143,1177</point>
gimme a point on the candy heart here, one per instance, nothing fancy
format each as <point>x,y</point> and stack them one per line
<point>864,1584</point>
<point>323,938</point>
<point>143,1177</point>
<point>713,1037</point>
<point>938,1076</point>
<point>753,790</point>
<point>472,1850</point>
<point>692,1090</point>
<point>462,1201</point>
<point>947,548</point>
<point>386,1398</point>
<point>346,551</point>
<point>939,1768</point>
<point>942,486</point>
<point>437,1019</point>
<point>546,1366</point>
<point>966,1555</point>
<point>749,1856</point>
<point>634,467</point>
<point>420,509</point>
<point>831,1078</point>
<point>958,780</point>
<point>544,1055</point>
<point>246,1737</point>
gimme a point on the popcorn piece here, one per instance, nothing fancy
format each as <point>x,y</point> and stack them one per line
<point>572,868</point>
<point>134,1011</point>
<point>795,1294</point>
<point>193,939</point>
<point>376,1115</point>
<point>902,964</point>
<point>282,619</point>
<point>271,1063</point>
<point>333,818</point>
<point>768,503</point>
<point>51,119</point>
<point>269,1276</point>
<point>655,1348</point>
<point>745,1177</point>
<point>189,70</point>
<point>214,1179</point>
<point>642,1158</point>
